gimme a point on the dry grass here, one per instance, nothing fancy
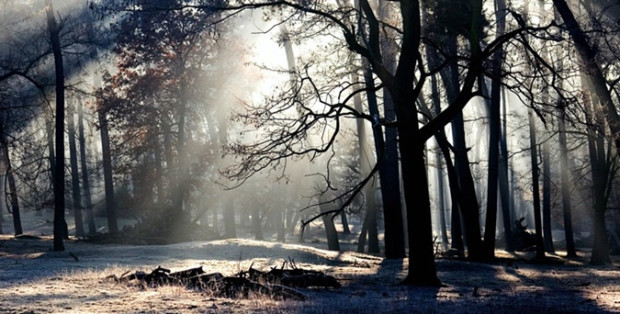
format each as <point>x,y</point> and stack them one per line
<point>34,280</point>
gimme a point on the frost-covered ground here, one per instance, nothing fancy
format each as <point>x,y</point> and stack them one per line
<point>34,279</point>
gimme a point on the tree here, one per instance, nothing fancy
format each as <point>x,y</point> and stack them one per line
<point>587,56</point>
<point>494,135</point>
<point>75,176</point>
<point>59,180</point>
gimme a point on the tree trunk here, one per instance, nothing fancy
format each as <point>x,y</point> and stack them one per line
<point>469,200</point>
<point>7,174</point>
<point>494,135</point>
<point>540,249</point>
<point>157,171</point>
<point>59,180</point>
<point>107,172</point>
<point>256,222</point>
<point>75,176</point>
<point>366,161</point>
<point>600,179</point>
<point>230,230</point>
<point>90,218</point>
<point>546,210</point>
<point>389,176</point>
<point>503,182</point>
<point>49,128</point>
<point>345,223</point>
<point>588,58</point>
<point>444,149</point>
<point>433,63</point>
<point>327,204</point>
<point>565,184</point>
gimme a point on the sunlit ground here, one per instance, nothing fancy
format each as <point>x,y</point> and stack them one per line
<point>33,279</point>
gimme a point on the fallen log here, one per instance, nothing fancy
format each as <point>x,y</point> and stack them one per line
<point>292,276</point>
<point>214,283</point>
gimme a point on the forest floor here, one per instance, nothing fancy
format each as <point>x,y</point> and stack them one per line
<point>33,279</point>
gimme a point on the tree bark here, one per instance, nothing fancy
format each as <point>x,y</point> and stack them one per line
<point>88,205</point>
<point>588,58</point>
<point>503,182</point>
<point>540,249</point>
<point>600,180</point>
<point>494,135</point>
<point>469,201</point>
<point>75,176</point>
<point>365,162</point>
<point>565,184</point>
<point>546,210</point>
<point>107,172</point>
<point>328,204</point>
<point>59,180</point>
<point>389,176</point>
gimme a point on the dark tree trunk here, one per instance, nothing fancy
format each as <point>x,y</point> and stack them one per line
<point>75,177</point>
<point>90,218</point>
<point>600,180</point>
<point>468,199</point>
<point>59,180</point>
<point>389,176</point>
<point>345,223</point>
<point>13,200</point>
<point>17,221</point>
<point>361,240</point>
<point>503,184</point>
<point>494,136</point>
<point>8,175</point>
<point>565,184</point>
<point>107,172</point>
<point>49,127</point>
<point>389,179</point>
<point>588,57</point>
<point>326,205</point>
<point>540,249</point>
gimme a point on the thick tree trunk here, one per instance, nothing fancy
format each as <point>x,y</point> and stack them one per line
<point>326,205</point>
<point>389,176</point>
<point>600,180</point>
<point>494,136</point>
<point>59,180</point>
<point>75,177</point>
<point>540,249</point>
